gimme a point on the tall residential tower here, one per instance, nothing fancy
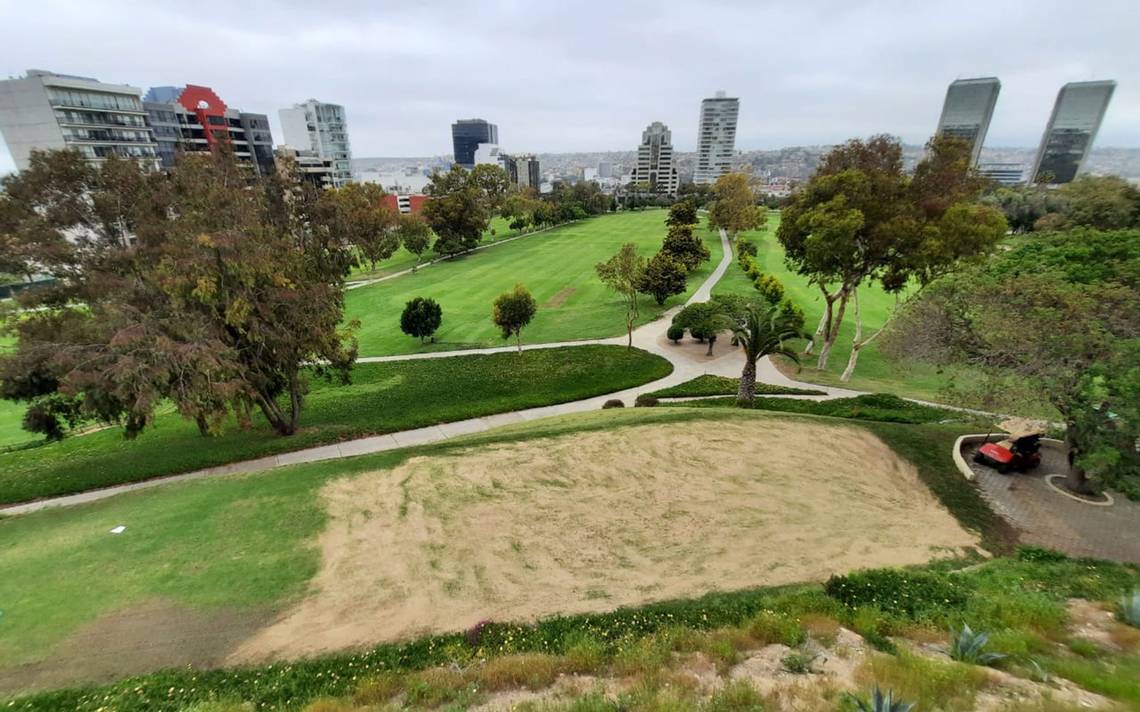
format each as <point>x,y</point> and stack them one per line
<point>1072,128</point>
<point>323,129</point>
<point>466,137</point>
<point>655,160</point>
<point>43,111</point>
<point>967,111</point>
<point>716,138</point>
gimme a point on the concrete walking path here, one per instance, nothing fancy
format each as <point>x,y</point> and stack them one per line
<point>689,360</point>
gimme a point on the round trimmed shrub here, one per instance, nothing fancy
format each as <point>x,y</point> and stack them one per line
<point>613,403</point>
<point>675,333</point>
<point>645,400</point>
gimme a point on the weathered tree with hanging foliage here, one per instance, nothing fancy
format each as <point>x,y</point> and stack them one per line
<point>205,287</point>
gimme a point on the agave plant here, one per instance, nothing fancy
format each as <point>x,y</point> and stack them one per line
<point>881,703</point>
<point>969,647</point>
<point>1130,608</point>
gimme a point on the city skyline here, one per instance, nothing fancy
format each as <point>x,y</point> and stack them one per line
<point>860,80</point>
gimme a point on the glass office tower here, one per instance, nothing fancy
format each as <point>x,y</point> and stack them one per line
<point>467,135</point>
<point>1072,128</point>
<point>967,111</point>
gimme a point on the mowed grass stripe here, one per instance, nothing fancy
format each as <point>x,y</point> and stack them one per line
<point>383,398</point>
<point>556,266</point>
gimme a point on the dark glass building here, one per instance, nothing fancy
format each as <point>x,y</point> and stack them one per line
<point>467,134</point>
<point>967,111</point>
<point>1072,128</point>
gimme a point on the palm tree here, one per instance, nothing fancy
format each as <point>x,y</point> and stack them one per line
<point>761,330</point>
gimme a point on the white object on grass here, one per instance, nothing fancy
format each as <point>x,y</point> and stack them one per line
<point>119,529</point>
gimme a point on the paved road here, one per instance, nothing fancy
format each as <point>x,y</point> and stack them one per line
<point>689,360</point>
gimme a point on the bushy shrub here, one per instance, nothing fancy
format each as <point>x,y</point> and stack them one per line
<point>770,627</point>
<point>613,403</point>
<point>644,400</point>
<point>769,287</point>
<point>744,247</point>
<point>798,663</point>
<point>897,592</point>
<point>675,333</point>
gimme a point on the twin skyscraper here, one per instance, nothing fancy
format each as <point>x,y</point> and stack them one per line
<point>1068,138</point>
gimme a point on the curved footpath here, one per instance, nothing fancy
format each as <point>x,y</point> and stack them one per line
<point>688,359</point>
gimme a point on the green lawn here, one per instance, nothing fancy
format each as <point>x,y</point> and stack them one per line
<point>245,541</point>
<point>402,259</point>
<point>12,414</point>
<point>710,385</point>
<point>384,397</point>
<point>875,372</point>
<point>556,266</point>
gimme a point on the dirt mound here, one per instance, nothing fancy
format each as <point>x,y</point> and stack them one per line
<point>598,520</point>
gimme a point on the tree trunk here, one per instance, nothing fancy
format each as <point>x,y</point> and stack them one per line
<point>823,318</point>
<point>747,392</point>
<point>203,425</point>
<point>832,331</point>
<point>856,343</point>
<point>712,340</point>
<point>518,339</point>
<point>272,412</point>
<point>1075,478</point>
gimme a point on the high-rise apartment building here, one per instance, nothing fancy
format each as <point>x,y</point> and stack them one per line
<point>1077,115</point>
<point>967,111</point>
<point>523,170</point>
<point>466,137</point>
<point>194,118</point>
<point>716,138</point>
<point>323,129</point>
<point>43,111</point>
<point>655,160</point>
<point>605,169</point>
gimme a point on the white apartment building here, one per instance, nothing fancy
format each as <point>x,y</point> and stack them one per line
<point>323,129</point>
<point>44,110</point>
<point>716,138</point>
<point>655,160</point>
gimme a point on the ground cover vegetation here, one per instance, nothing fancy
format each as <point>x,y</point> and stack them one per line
<point>1019,601</point>
<point>383,397</point>
<point>1055,317</point>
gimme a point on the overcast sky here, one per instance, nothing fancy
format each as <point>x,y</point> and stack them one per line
<point>566,76</point>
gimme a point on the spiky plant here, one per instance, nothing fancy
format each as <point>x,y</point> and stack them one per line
<point>879,702</point>
<point>969,647</point>
<point>1130,608</point>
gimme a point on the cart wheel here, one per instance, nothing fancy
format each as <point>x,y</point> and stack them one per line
<point>1003,469</point>
<point>979,458</point>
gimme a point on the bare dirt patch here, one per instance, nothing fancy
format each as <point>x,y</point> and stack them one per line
<point>598,520</point>
<point>139,639</point>
<point>559,298</point>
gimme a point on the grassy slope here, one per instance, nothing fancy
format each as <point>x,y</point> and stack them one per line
<point>382,398</point>
<point>875,372</point>
<point>403,259</point>
<point>557,267</point>
<point>12,414</point>
<point>241,541</point>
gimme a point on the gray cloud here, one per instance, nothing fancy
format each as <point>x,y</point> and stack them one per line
<point>591,75</point>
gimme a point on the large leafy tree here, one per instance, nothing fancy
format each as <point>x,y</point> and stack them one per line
<point>1057,318</point>
<point>202,287</point>
<point>462,203</point>
<point>683,246</point>
<point>734,207</point>
<point>357,214</point>
<point>664,277</point>
<point>624,273</point>
<point>415,236</point>
<point>861,220</point>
